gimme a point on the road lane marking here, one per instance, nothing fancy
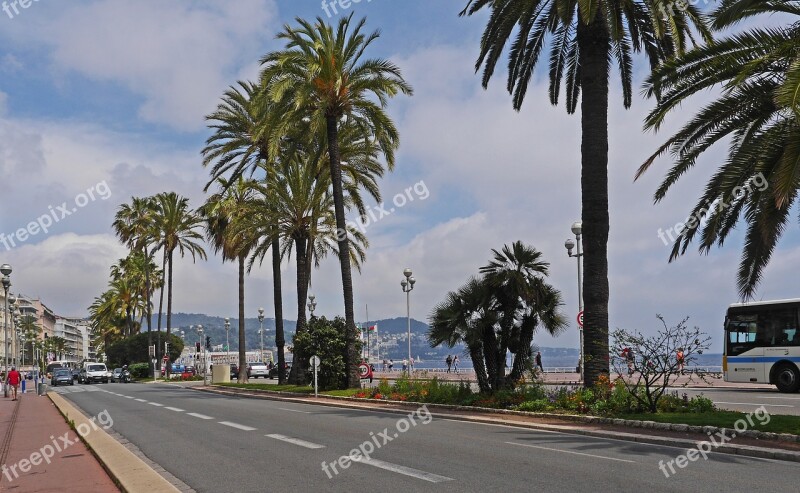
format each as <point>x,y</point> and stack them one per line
<point>295,441</point>
<point>176,409</point>
<point>294,410</point>
<point>140,400</point>
<point>787,398</point>
<point>237,426</point>
<point>201,416</point>
<point>570,452</point>
<point>156,404</point>
<point>129,397</point>
<point>408,471</point>
<point>752,404</point>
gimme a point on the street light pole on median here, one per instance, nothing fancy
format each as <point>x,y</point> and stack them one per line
<point>261,332</point>
<point>408,284</point>
<point>577,228</point>
<point>5,269</point>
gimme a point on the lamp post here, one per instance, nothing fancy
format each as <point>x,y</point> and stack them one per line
<point>5,269</point>
<point>227,340</point>
<point>261,332</point>
<point>202,342</point>
<point>577,227</point>
<point>408,284</point>
<point>15,333</point>
<point>312,304</point>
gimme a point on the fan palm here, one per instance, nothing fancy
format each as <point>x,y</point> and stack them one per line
<point>584,36</point>
<point>239,145</point>
<point>321,76</point>
<point>178,227</point>
<point>226,216</point>
<point>759,110</point>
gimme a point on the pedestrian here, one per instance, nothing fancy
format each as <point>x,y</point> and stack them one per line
<point>13,379</point>
<point>449,362</point>
<point>679,358</point>
<point>405,364</point>
<point>539,361</point>
<point>391,364</point>
<point>631,360</point>
<point>455,363</point>
<point>385,364</point>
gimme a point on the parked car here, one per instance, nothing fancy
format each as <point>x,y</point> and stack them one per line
<point>116,374</point>
<point>75,373</point>
<point>94,372</point>
<point>273,372</point>
<point>255,370</point>
<point>62,376</point>
<point>234,372</point>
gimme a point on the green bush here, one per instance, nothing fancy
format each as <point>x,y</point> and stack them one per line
<point>537,406</point>
<point>326,339</point>
<point>139,370</point>
<point>701,404</point>
<point>133,349</point>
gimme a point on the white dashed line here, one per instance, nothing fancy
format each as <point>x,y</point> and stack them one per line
<point>752,404</point>
<point>237,426</point>
<point>201,416</point>
<point>294,410</point>
<point>176,409</point>
<point>570,452</point>
<point>296,441</point>
<point>156,404</point>
<point>129,397</point>
<point>408,471</point>
<point>140,400</point>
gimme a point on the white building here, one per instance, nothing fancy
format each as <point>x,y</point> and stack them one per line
<point>70,330</point>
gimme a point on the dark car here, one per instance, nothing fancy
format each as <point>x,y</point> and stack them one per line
<point>273,372</point>
<point>76,373</point>
<point>234,372</point>
<point>62,376</point>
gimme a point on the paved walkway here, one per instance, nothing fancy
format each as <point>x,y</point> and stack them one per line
<point>30,429</point>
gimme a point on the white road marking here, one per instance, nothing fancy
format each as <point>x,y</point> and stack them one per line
<point>237,426</point>
<point>752,404</point>
<point>129,397</point>
<point>140,400</point>
<point>295,441</point>
<point>571,452</point>
<point>408,471</point>
<point>176,409</point>
<point>156,404</point>
<point>787,398</point>
<point>201,416</point>
<point>294,410</point>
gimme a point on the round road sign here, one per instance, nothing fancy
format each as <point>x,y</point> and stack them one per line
<point>364,370</point>
<point>580,319</point>
<point>314,361</point>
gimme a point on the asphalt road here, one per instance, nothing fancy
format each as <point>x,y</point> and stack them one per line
<point>218,443</point>
<point>748,400</point>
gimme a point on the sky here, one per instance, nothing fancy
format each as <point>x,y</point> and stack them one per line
<point>102,100</point>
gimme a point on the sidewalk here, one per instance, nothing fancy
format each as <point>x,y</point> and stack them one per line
<point>32,428</point>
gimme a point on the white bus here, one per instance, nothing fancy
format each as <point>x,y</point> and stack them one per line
<point>762,344</point>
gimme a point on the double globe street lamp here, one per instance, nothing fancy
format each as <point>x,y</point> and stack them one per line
<point>5,269</point>
<point>227,340</point>
<point>570,244</point>
<point>408,285</point>
<point>261,332</point>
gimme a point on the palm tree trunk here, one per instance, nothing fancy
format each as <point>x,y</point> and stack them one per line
<point>242,340</point>
<point>522,358</point>
<point>148,308</point>
<point>490,357</point>
<point>480,367</point>
<point>299,371</point>
<point>160,309</point>
<point>593,43</point>
<point>277,295</point>
<point>351,356</point>
<point>169,311</point>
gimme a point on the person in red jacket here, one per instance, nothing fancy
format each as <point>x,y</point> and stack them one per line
<point>13,380</point>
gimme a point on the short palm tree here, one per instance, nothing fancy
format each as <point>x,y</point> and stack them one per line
<point>584,37</point>
<point>179,229</point>
<point>321,76</point>
<point>758,72</point>
<point>226,216</point>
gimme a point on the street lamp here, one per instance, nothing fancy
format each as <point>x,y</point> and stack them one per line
<point>15,330</point>
<point>570,244</point>
<point>227,340</point>
<point>205,363</point>
<point>5,269</point>
<point>312,304</point>
<point>261,331</point>
<point>408,284</point>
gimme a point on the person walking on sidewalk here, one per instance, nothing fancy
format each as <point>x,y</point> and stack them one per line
<point>680,359</point>
<point>13,379</point>
<point>455,363</point>
<point>449,362</point>
<point>539,361</point>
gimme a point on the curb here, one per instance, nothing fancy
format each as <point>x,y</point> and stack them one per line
<point>741,450</point>
<point>127,470</point>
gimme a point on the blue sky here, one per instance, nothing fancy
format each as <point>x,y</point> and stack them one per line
<point>110,95</point>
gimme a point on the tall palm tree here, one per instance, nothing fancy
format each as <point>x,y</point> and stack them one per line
<point>758,72</point>
<point>321,76</point>
<point>226,217</point>
<point>179,228</point>
<point>584,36</point>
<point>242,125</point>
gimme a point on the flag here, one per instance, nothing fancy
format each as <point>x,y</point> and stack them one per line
<point>373,327</point>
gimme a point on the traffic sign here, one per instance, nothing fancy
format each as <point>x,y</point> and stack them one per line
<point>580,319</point>
<point>314,361</point>
<point>364,370</point>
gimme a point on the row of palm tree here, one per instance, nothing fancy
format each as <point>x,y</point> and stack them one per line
<point>758,71</point>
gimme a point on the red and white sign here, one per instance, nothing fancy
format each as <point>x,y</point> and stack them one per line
<point>580,319</point>
<point>364,370</point>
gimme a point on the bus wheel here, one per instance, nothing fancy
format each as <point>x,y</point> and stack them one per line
<point>787,379</point>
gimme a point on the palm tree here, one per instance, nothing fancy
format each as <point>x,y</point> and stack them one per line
<point>242,124</point>
<point>178,226</point>
<point>584,36</point>
<point>321,76</point>
<point>226,217</point>
<point>759,110</point>
<point>30,331</point>
<point>500,312</point>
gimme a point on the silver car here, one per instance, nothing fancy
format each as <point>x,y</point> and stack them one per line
<point>255,370</point>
